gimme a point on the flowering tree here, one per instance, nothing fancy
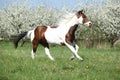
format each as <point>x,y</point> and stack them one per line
<point>93,34</point>
<point>105,18</point>
<point>21,17</point>
<point>14,19</point>
<point>110,21</point>
<point>106,21</point>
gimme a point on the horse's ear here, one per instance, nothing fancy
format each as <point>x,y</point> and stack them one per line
<point>83,11</point>
<point>80,12</point>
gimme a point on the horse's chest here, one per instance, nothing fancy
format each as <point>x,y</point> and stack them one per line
<point>70,36</point>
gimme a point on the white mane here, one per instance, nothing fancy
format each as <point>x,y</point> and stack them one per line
<point>67,18</point>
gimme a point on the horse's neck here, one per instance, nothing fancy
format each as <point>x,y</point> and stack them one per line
<point>72,22</point>
<point>65,28</point>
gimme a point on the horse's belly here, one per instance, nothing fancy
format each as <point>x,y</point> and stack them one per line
<point>53,37</point>
<point>54,41</point>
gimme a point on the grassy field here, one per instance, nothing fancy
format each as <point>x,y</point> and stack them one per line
<point>98,64</point>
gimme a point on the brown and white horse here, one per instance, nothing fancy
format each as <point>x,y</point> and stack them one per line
<point>63,34</point>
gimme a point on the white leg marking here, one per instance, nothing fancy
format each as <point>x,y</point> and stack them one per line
<point>77,47</point>
<point>48,53</point>
<point>32,54</point>
<point>32,35</point>
<point>74,51</point>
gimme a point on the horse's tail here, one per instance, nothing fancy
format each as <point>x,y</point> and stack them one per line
<point>19,37</point>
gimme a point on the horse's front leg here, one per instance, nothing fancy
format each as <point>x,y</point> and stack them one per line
<point>76,48</point>
<point>75,51</point>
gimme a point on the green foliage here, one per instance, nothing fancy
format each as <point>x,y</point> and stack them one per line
<point>98,64</point>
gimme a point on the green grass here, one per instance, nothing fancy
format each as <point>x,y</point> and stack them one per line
<point>98,64</point>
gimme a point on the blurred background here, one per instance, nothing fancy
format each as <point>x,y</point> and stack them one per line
<point>17,16</point>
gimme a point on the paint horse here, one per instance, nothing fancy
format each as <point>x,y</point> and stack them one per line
<point>63,34</point>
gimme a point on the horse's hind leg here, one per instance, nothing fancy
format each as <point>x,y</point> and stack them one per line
<point>48,53</point>
<point>23,42</point>
<point>46,46</point>
<point>35,45</point>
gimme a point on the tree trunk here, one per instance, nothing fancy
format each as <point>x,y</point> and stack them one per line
<point>112,41</point>
<point>112,44</point>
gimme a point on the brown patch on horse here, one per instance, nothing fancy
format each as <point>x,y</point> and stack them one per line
<point>70,36</point>
<point>39,37</point>
<point>85,19</point>
<point>39,32</point>
<point>80,13</point>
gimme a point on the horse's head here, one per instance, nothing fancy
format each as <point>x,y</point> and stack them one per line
<point>82,18</point>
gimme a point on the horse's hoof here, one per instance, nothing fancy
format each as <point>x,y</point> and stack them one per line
<point>52,59</point>
<point>72,58</point>
<point>81,60</point>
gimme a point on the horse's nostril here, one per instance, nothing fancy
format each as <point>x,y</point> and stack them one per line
<point>90,24</point>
